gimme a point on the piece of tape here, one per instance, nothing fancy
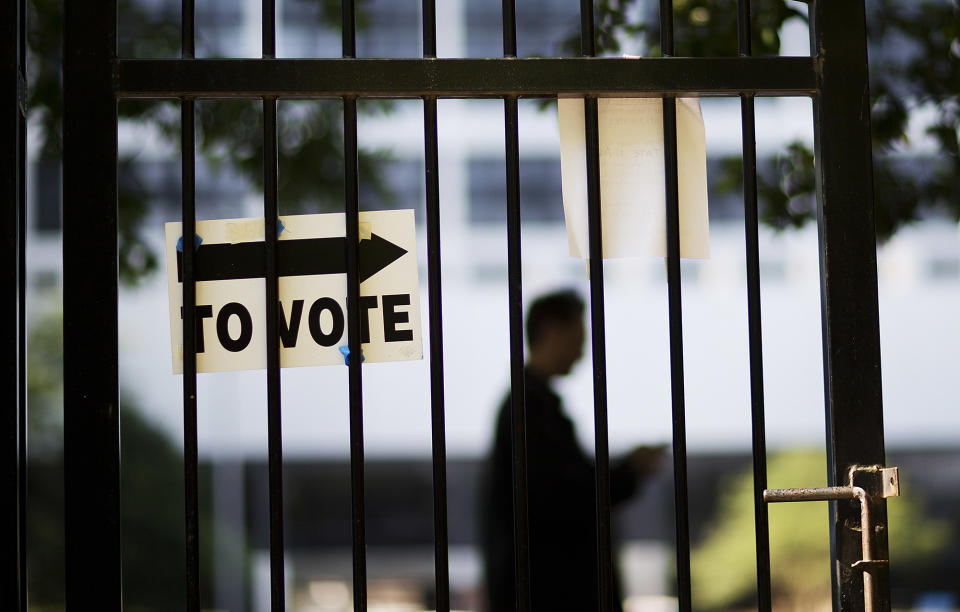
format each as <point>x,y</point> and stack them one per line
<point>196,240</point>
<point>345,351</point>
<point>250,231</point>
<point>365,231</point>
<point>246,231</point>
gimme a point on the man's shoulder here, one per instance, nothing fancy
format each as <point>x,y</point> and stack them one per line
<point>536,393</point>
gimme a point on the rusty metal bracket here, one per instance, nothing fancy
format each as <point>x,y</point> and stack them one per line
<point>864,565</point>
<point>884,482</point>
<point>890,479</point>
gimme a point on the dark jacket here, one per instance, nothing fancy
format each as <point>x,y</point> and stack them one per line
<point>562,510</point>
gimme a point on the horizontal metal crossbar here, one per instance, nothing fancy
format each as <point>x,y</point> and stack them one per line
<point>480,78</point>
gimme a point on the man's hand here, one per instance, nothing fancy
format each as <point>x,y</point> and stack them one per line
<point>646,459</point>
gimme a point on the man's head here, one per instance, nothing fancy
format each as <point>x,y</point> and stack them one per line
<point>555,332</point>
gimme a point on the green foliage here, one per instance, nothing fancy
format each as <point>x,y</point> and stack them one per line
<point>924,77</point>
<point>723,565</point>
<point>151,482</point>
<point>44,526</point>
<point>44,523</point>
<point>310,149</point>
<point>709,27</point>
<point>152,523</point>
<point>229,133</point>
<point>921,78</point>
<point>612,26</point>
<point>701,27</point>
<point>45,380</point>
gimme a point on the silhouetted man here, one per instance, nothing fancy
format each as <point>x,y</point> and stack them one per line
<point>562,498</point>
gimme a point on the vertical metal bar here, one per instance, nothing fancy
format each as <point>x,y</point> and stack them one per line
<point>271,215</point>
<point>354,372</point>
<point>587,31</point>
<point>598,340</point>
<point>597,325</point>
<point>187,30</point>
<point>848,284</point>
<point>666,28</point>
<point>269,28</point>
<point>751,224</point>
<point>431,165</point>
<point>436,359</point>
<point>13,441</point>
<point>352,209</point>
<point>675,305</point>
<point>22,315</point>
<point>348,28</point>
<point>274,412</point>
<point>744,31</point>
<point>509,28</point>
<point>91,396</point>
<point>518,414</point>
<point>188,239</point>
<point>22,40</point>
<point>751,232</point>
<point>22,324</point>
<point>22,294</point>
<point>190,459</point>
<point>429,12</point>
<point>676,357</point>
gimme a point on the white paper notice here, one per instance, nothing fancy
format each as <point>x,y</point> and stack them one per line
<point>231,291</point>
<point>632,197</point>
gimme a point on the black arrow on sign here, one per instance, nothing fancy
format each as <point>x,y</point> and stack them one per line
<point>305,257</point>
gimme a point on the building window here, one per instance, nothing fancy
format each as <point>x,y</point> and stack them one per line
<point>48,195</point>
<point>401,186</point>
<point>542,27</point>
<point>540,194</point>
<point>389,28</point>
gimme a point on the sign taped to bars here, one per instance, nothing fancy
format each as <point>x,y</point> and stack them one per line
<point>311,253</point>
<point>632,191</point>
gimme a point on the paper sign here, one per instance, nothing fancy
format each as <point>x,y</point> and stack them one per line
<point>231,291</point>
<point>632,199</point>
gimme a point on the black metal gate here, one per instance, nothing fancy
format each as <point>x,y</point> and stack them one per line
<point>13,423</point>
<point>95,79</point>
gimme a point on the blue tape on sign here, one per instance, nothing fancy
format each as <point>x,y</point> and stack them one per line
<point>280,227</point>
<point>345,351</point>
<point>196,238</point>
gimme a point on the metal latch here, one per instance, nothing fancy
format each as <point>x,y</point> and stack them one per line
<point>889,486</point>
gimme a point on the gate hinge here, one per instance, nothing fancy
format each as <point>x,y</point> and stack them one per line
<point>877,482</point>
